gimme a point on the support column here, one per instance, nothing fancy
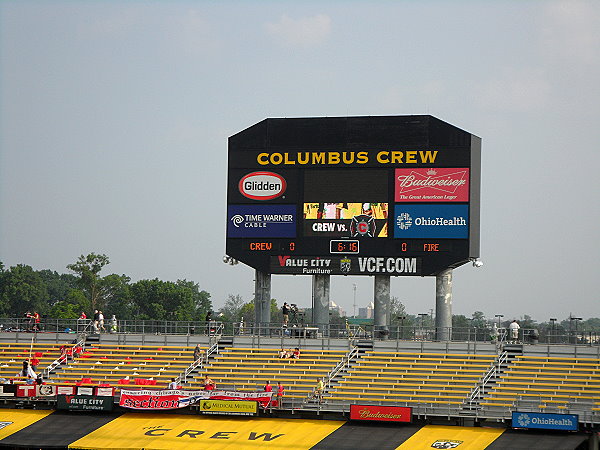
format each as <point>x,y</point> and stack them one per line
<point>443,305</point>
<point>262,297</point>
<point>382,305</point>
<point>320,300</point>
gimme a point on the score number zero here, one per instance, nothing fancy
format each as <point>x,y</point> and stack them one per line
<point>343,246</point>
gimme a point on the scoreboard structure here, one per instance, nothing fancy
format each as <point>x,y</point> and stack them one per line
<point>376,195</point>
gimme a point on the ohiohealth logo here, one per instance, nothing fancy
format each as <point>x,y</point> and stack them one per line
<point>404,221</point>
<point>523,420</point>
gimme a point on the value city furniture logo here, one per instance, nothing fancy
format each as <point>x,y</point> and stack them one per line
<point>268,221</point>
<point>565,422</point>
<point>262,185</point>
<point>431,221</point>
<point>432,185</point>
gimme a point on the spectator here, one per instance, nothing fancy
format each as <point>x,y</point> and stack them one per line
<point>268,387</point>
<point>285,311</point>
<point>96,321</point>
<point>173,384</point>
<point>280,390</point>
<point>209,384</point>
<point>318,395</point>
<point>39,380</point>
<point>27,371</point>
<point>197,352</point>
<point>36,321</point>
<point>34,363</point>
<point>296,354</point>
<point>82,316</point>
<point>283,354</point>
<point>113,324</point>
<point>101,321</point>
<point>514,330</point>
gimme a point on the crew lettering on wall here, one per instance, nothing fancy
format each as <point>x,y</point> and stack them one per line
<point>252,436</point>
<point>384,158</point>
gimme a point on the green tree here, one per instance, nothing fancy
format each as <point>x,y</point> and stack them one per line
<point>478,320</point>
<point>116,296</point>
<point>162,300</point>
<point>200,299</point>
<point>230,311</point>
<point>22,290</point>
<point>88,268</point>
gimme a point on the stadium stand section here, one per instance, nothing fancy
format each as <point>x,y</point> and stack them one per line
<point>248,369</point>
<point>555,384</point>
<point>406,379</point>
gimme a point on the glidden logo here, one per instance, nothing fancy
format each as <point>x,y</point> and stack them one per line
<point>262,185</point>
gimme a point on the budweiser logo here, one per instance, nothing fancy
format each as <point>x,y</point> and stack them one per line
<point>447,182</point>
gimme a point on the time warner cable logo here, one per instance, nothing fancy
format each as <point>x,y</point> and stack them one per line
<point>237,220</point>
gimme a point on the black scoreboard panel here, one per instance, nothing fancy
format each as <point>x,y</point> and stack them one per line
<point>392,195</point>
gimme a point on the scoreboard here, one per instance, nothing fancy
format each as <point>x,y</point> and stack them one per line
<point>395,195</point>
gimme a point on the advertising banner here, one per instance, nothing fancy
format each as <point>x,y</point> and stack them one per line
<point>345,265</point>
<point>65,390</point>
<point>174,399</point>
<point>381,413</point>
<point>228,407</point>
<point>85,390</point>
<point>565,422</point>
<point>26,390</point>
<point>84,403</point>
<point>431,221</point>
<point>432,185</point>
<point>345,219</point>
<point>8,390</point>
<point>105,391</point>
<point>46,390</point>
<point>267,221</point>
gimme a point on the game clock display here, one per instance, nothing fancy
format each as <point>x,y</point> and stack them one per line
<point>344,246</point>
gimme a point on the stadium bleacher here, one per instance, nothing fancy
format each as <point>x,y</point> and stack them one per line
<point>548,383</point>
<point>405,378</point>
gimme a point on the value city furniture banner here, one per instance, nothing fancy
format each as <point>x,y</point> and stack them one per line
<point>381,413</point>
<point>84,403</point>
<point>565,422</point>
<point>174,399</point>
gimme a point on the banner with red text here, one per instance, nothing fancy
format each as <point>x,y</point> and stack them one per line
<point>176,398</point>
<point>381,413</point>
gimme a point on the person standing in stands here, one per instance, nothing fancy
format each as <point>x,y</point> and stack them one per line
<point>27,371</point>
<point>96,321</point>
<point>36,321</point>
<point>101,321</point>
<point>319,390</point>
<point>514,330</point>
<point>173,384</point>
<point>285,311</point>
<point>197,352</point>
<point>268,387</point>
<point>280,390</point>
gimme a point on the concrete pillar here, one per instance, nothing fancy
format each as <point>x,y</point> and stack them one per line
<point>320,300</point>
<point>262,298</point>
<point>381,301</point>
<point>443,305</point>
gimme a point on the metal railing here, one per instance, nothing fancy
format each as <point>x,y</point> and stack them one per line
<point>542,335</point>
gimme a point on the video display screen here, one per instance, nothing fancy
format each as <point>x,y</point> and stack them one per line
<point>346,219</point>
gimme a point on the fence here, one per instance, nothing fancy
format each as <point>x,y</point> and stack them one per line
<point>350,332</point>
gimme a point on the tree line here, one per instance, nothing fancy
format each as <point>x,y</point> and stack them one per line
<point>67,295</point>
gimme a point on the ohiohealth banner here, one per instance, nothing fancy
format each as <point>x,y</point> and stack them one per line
<point>174,399</point>
<point>565,422</point>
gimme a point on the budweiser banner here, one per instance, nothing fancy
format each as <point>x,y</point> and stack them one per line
<point>173,399</point>
<point>381,413</point>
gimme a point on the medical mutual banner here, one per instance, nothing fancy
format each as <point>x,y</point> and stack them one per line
<point>174,399</point>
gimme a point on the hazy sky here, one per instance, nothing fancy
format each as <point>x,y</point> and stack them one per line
<point>114,119</point>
